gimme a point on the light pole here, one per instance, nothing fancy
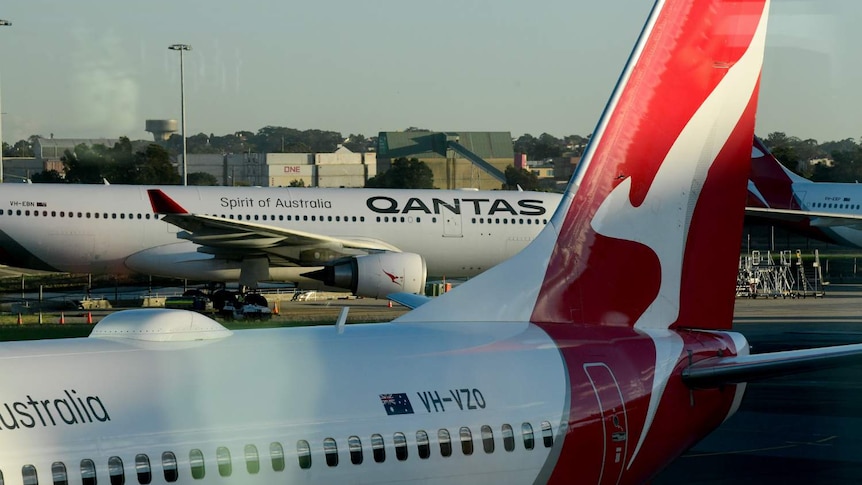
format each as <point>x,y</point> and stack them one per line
<point>3,23</point>
<point>181,48</point>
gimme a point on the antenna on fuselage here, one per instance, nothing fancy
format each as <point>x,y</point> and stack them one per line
<point>342,319</point>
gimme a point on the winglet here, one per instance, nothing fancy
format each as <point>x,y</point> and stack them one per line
<point>162,204</point>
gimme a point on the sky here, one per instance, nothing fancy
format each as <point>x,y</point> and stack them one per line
<point>96,68</point>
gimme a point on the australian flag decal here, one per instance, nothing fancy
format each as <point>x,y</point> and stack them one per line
<point>396,403</point>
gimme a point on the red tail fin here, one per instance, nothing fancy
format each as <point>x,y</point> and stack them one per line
<point>652,236</point>
<point>648,231</point>
<point>771,183</point>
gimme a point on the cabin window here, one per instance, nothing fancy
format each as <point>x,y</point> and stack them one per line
<point>196,462</point>
<point>169,466</point>
<point>547,434</point>
<point>354,446</point>
<point>58,473</point>
<point>527,434</point>
<point>330,450</point>
<point>28,472</point>
<point>225,468</point>
<point>400,446</point>
<point>487,439</point>
<point>361,218</point>
<point>329,218</point>
<point>276,454</point>
<point>377,448</point>
<point>466,441</point>
<point>88,472</point>
<point>115,471</point>
<point>378,218</point>
<point>303,452</point>
<point>252,459</point>
<point>445,442</point>
<point>423,444</point>
<point>142,468</point>
<point>508,438</point>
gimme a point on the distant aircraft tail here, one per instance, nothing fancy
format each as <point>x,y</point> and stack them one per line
<point>647,234</point>
<point>771,183</point>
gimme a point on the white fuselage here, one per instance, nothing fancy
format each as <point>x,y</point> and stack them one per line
<point>117,400</point>
<point>98,228</point>
<point>837,199</point>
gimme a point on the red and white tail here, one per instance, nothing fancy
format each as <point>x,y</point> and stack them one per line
<point>648,232</point>
<point>770,184</point>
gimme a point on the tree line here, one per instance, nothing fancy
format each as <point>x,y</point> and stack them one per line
<point>121,164</point>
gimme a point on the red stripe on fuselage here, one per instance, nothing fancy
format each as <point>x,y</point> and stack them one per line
<point>684,416</point>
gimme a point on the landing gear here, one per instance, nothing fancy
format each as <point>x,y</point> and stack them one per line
<point>232,304</point>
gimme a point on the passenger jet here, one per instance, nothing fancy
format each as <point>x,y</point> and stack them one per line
<point>597,355</point>
<point>372,242</point>
<point>824,210</point>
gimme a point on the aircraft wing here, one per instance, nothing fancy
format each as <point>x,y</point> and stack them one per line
<point>219,235</point>
<point>816,218</point>
<point>718,371</point>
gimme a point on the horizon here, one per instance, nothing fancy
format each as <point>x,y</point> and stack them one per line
<point>82,71</point>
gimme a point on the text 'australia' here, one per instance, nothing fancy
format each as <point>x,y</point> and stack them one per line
<point>68,409</point>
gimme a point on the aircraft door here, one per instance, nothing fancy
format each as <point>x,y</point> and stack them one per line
<point>614,421</point>
<point>451,224</point>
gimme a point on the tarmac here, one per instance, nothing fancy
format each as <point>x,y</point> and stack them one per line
<point>805,428</point>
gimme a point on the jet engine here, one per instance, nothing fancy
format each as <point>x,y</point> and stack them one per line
<point>375,275</point>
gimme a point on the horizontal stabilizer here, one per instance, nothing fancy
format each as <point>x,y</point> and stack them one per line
<point>747,368</point>
<point>410,300</point>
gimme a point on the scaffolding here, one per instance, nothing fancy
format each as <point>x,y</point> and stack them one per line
<point>760,275</point>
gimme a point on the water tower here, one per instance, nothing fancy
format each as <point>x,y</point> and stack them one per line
<point>161,129</point>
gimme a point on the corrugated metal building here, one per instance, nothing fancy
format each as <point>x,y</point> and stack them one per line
<point>451,170</point>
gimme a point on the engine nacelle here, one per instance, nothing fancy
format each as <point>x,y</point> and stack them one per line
<point>375,275</point>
